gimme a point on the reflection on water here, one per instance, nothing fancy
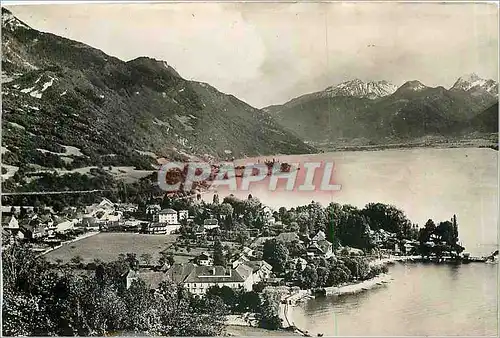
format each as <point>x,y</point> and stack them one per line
<point>423,299</point>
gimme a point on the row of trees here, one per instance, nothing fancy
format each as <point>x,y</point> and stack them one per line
<point>349,225</point>
<point>334,272</point>
<point>441,238</point>
<point>264,303</point>
<point>39,300</point>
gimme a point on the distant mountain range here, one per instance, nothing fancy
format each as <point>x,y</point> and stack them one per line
<point>379,112</point>
<point>66,104</point>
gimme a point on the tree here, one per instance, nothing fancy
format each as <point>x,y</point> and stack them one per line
<point>309,277</point>
<point>318,218</point>
<point>455,230</point>
<point>166,203</point>
<point>215,199</point>
<point>146,257</point>
<point>38,301</point>
<point>387,217</point>
<point>353,229</point>
<point>338,274</point>
<point>242,237</point>
<point>323,274</point>
<point>335,215</point>
<point>225,293</point>
<point>76,260</point>
<point>219,258</point>
<point>269,310</point>
<point>275,253</point>
<point>143,316</point>
<point>132,261</point>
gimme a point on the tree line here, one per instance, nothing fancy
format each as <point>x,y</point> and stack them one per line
<point>42,300</point>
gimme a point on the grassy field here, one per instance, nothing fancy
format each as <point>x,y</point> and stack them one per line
<point>107,247</point>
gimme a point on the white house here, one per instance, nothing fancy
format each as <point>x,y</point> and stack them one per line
<point>104,206</point>
<point>168,216</point>
<point>10,223</point>
<point>64,226</point>
<point>210,224</point>
<point>131,277</point>
<point>204,259</point>
<point>320,236</point>
<point>198,279</point>
<point>152,209</point>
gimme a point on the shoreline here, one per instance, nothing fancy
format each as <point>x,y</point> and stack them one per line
<point>479,143</point>
<point>239,324</point>
<point>286,309</point>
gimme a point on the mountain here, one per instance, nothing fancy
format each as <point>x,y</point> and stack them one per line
<point>377,112</point>
<point>358,88</point>
<point>69,105</point>
<point>485,122</point>
<point>472,83</point>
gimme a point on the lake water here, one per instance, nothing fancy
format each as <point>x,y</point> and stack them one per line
<point>422,299</point>
<point>424,183</point>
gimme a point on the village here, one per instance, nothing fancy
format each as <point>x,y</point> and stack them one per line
<point>191,257</point>
<point>239,250</point>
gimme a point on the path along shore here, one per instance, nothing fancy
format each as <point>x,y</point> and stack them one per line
<point>287,306</point>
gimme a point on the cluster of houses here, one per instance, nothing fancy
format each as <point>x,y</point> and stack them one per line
<point>244,270</point>
<point>201,274</point>
<point>46,226</point>
<point>199,278</point>
<point>318,246</point>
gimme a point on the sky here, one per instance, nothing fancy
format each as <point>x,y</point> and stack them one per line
<point>269,53</point>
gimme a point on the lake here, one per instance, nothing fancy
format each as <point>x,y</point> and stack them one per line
<point>422,299</point>
<point>423,182</point>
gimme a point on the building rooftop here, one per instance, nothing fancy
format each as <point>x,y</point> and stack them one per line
<point>168,211</point>
<point>190,273</point>
<point>288,237</point>
<point>257,265</point>
<point>322,245</point>
<point>211,221</point>
<point>260,241</point>
<point>6,220</point>
<point>319,236</point>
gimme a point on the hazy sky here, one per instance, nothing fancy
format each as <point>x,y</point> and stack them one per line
<point>267,53</point>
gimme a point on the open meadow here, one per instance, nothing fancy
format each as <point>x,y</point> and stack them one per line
<point>107,247</point>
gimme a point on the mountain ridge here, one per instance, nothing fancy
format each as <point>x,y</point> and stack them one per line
<point>412,110</point>
<point>58,93</point>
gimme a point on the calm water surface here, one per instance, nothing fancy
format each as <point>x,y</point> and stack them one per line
<point>422,299</point>
<point>424,183</point>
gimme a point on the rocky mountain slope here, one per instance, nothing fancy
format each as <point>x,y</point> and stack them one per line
<point>484,122</point>
<point>378,112</point>
<point>68,105</point>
